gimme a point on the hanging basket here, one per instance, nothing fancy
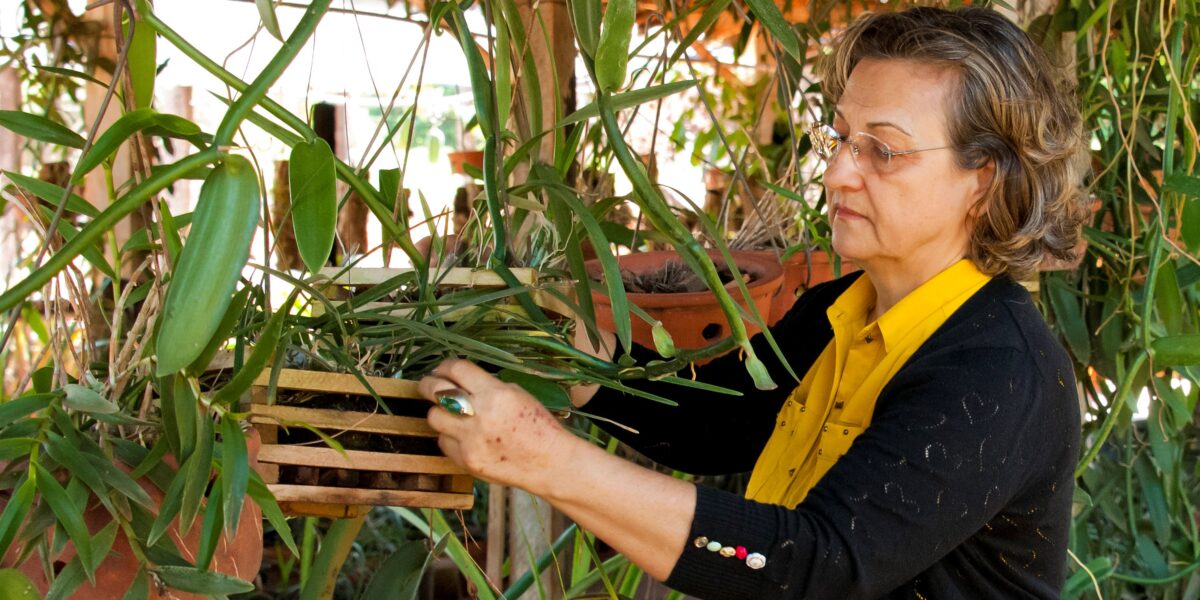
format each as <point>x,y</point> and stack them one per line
<point>386,460</point>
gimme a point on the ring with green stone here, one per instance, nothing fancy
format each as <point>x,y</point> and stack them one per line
<point>455,400</point>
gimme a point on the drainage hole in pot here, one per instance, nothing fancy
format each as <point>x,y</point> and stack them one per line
<point>712,331</point>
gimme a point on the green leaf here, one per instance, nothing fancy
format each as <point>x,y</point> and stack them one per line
<point>550,394</point>
<point>189,579</point>
<point>168,509</point>
<point>264,349</point>
<point>23,407</point>
<point>257,490</point>
<point>17,447</point>
<point>235,471</point>
<point>69,232</point>
<point>612,51</point>
<point>52,194</point>
<point>67,580</point>
<point>233,314</point>
<point>399,577</point>
<point>663,343</point>
<point>210,529</point>
<point>15,509</point>
<point>75,463</point>
<point>312,184</point>
<point>768,14</point>
<point>1068,317</point>
<point>1189,224</point>
<point>210,265</point>
<point>39,128</point>
<point>586,16</point>
<point>1176,350</point>
<point>15,585</point>
<point>1180,183</point>
<point>122,129</point>
<point>481,84</point>
<point>197,472</point>
<point>120,481</point>
<point>628,100</point>
<point>143,63</point>
<point>266,12</point>
<point>69,515</point>
<point>85,399</point>
<point>73,74</point>
<point>139,589</point>
<point>1168,299</point>
<point>710,16</point>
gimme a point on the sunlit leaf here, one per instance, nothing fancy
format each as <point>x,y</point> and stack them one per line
<point>39,128</point>
<point>312,183</point>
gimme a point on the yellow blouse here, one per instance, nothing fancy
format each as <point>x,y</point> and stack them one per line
<point>834,402</point>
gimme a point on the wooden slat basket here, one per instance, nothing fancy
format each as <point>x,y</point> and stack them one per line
<point>389,460</point>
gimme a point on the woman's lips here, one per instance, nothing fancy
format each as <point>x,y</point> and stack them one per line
<point>845,213</point>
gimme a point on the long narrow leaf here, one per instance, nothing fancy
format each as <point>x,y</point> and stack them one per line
<point>39,128</point>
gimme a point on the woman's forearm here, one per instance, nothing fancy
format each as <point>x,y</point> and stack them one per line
<point>643,514</point>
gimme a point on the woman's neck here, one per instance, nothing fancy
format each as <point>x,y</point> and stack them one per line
<point>893,282</point>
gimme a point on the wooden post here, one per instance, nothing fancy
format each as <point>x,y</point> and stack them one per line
<point>10,160</point>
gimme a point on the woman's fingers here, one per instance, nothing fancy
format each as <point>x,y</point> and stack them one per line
<point>430,385</point>
<point>468,376</point>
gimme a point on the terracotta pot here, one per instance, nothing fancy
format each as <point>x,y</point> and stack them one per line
<point>239,557</point>
<point>694,319</point>
<point>798,276</point>
<point>459,158</point>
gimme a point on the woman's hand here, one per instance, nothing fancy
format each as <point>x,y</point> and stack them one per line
<point>511,439</point>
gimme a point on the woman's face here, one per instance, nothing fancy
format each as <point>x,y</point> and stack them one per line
<point>912,217</point>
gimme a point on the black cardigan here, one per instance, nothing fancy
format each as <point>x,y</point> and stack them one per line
<point>960,488</point>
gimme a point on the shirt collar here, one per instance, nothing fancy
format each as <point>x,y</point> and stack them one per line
<point>932,297</point>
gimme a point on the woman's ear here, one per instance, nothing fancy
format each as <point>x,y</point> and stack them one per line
<point>984,178</point>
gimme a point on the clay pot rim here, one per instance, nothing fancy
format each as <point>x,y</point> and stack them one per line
<point>768,270</point>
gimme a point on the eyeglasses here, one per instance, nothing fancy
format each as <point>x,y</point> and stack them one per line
<point>870,153</point>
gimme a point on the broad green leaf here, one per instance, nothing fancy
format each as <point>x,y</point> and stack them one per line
<point>14,585</point>
<point>69,515</point>
<point>481,84</point>
<point>312,183</point>
<point>768,14</point>
<point>235,471</point>
<point>1187,185</point>
<point>39,128</point>
<point>266,12</point>
<point>1189,227</point>
<point>629,100</point>
<point>1068,317</point>
<point>189,579</point>
<point>122,129</point>
<point>210,265</point>
<point>180,415</point>
<point>85,399</point>
<point>143,63</point>
<point>1168,299</point>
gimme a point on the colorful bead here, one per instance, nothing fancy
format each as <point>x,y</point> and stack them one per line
<point>713,546</point>
<point>700,542</point>
<point>756,561</point>
<point>740,552</point>
<point>728,551</point>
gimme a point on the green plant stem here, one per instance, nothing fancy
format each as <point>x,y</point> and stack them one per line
<point>520,585</point>
<point>661,217</point>
<point>1176,576</point>
<point>262,84</point>
<point>345,172</point>
<point>103,223</point>
<point>1110,420</point>
<point>335,547</point>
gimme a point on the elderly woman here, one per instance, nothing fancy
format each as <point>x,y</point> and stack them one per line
<point>928,450</point>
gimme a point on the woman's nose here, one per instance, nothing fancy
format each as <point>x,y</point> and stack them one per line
<point>841,171</point>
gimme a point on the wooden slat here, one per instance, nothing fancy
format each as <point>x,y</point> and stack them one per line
<point>339,383</point>
<point>464,484</point>
<point>355,496</point>
<point>457,276</point>
<point>323,418</point>
<point>323,510</point>
<point>309,456</point>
